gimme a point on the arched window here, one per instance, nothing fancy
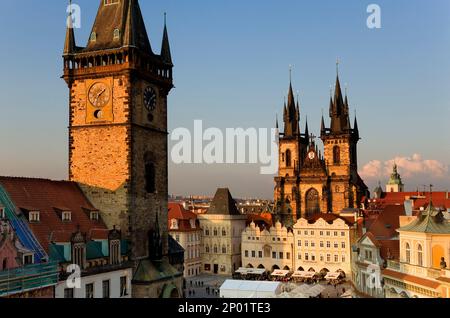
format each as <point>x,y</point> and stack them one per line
<point>288,158</point>
<point>312,202</point>
<point>207,231</point>
<point>150,178</point>
<point>408,253</point>
<point>224,232</point>
<point>215,249</point>
<point>336,155</point>
<point>419,255</point>
<point>114,252</point>
<point>207,249</point>
<point>4,263</point>
<point>215,232</point>
<point>79,254</point>
<point>224,249</point>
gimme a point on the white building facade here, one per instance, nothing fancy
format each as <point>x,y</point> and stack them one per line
<point>113,284</point>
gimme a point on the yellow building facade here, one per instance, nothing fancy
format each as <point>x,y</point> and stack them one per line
<point>424,253</point>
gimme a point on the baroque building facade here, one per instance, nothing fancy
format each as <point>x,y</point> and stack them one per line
<point>309,182</point>
<point>319,244</point>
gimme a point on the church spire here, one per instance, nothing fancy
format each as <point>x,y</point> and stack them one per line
<point>306,129</point>
<point>322,127</point>
<point>291,112</point>
<point>128,37</point>
<point>339,111</point>
<point>69,45</point>
<point>165,47</point>
<point>355,128</point>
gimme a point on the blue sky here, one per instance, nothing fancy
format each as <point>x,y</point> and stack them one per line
<point>231,70</point>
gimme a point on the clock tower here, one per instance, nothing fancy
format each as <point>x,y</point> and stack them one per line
<point>118,151</point>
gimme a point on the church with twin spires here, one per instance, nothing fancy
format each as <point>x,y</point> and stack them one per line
<point>310,182</point>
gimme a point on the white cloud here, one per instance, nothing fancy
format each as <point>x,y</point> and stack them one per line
<point>372,169</point>
<point>408,167</point>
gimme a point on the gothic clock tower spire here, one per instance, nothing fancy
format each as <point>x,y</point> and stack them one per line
<point>118,122</point>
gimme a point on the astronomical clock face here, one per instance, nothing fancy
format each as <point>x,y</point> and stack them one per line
<point>311,155</point>
<point>99,95</point>
<point>150,99</point>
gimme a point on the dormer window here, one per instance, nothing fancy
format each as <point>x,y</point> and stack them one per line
<point>108,2</point>
<point>34,216</point>
<point>116,34</point>
<point>93,37</point>
<point>192,221</point>
<point>28,259</point>
<point>94,216</point>
<point>173,224</point>
<point>2,213</point>
<point>66,216</point>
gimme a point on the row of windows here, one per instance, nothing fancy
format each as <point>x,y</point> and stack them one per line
<point>253,253</point>
<point>66,216</point>
<point>106,289</point>
<point>321,244</point>
<point>419,253</point>
<point>190,238</point>
<point>322,258</point>
<point>191,253</point>
<point>216,249</point>
<point>215,232</point>
<point>321,233</point>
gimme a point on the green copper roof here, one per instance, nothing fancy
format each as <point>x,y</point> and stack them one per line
<point>429,221</point>
<point>56,253</point>
<point>94,250</point>
<point>152,271</point>
<point>395,177</point>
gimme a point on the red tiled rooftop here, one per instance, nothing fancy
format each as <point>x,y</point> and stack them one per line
<point>421,199</point>
<point>387,222</point>
<point>46,195</point>
<point>177,211</point>
<point>184,217</point>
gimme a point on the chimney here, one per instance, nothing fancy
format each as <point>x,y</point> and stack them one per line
<point>408,207</point>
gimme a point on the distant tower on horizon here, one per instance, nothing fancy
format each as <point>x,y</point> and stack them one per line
<point>395,183</point>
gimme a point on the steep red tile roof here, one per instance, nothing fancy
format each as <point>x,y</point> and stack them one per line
<point>184,217</point>
<point>260,219</point>
<point>177,211</point>
<point>46,195</point>
<point>390,249</point>
<point>387,222</point>
<point>421,199</point>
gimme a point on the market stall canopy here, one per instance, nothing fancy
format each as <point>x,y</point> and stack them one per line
<point>243,270</point>
<point>280,273</point>
<point>249,289</point>
<point>303,274</point>
<point>331,276</point>
<point>256,271</point>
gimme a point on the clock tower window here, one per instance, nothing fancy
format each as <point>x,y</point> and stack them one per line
<point>288,158</point>
<point>150,177</point>
<point>336,155</point>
